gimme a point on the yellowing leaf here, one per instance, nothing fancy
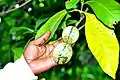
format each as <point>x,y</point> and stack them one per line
<point>103,44</point>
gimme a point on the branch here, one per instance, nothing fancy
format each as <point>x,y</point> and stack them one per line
<point>81,27</point>
<point>81,18</point>
<point>86,9</point>
<point>11,10</point>
<point>14,4</point>
<point>82,4</point>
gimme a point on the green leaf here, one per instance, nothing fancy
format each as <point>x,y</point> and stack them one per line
<point>18,51</point>
<point>52,24</point>
<point>70,22</point>
<point>103,44</point>
<point>64,22</point>
<point>108,11</point>
<point>19,33</point>
<point>10,21</point>
<point>50,3</point>
<point>17,29</point>
<point>71,4</point>
<point>39,22</point>
<point>2,2</point>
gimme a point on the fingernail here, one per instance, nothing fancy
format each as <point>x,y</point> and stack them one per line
<point>48,32</point>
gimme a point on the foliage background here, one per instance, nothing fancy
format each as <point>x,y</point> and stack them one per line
<point>13,39</point>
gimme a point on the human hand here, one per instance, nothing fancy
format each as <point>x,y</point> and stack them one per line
<point>38,56</point>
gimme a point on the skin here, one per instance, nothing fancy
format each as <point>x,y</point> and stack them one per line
<point>38,56</point>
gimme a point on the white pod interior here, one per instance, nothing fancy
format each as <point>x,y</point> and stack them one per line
<point>62,53</point>
<point>70,34</point>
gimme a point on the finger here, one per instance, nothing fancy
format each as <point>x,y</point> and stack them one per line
<point>41,65</point>
<point>50,47</point>
<point>47,49</point>
<point>42,39</point>
<point>41,51</point>
<point>57,42</point>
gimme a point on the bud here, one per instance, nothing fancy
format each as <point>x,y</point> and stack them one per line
<point>17,6</point>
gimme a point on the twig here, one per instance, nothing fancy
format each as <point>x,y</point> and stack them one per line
<point>86,9</point>
<point>11,10</point>
<point>81,27</point>
<point>14,4</point>
<point>82,3</point>
<point>81,18</point>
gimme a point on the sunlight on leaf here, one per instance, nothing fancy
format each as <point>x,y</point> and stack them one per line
<point>108,11</point>
<point>52,24</point>
<point>70,4</point>
<point>39,22</point>
<point>103,44</point>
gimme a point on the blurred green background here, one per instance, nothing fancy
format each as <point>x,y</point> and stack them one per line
<point>19,27</point>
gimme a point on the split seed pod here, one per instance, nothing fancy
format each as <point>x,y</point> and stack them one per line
<point>62,53</point>
<point>70,34</point>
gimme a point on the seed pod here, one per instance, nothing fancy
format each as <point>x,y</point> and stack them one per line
<point>70,34</point>
<point>62,53</point>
